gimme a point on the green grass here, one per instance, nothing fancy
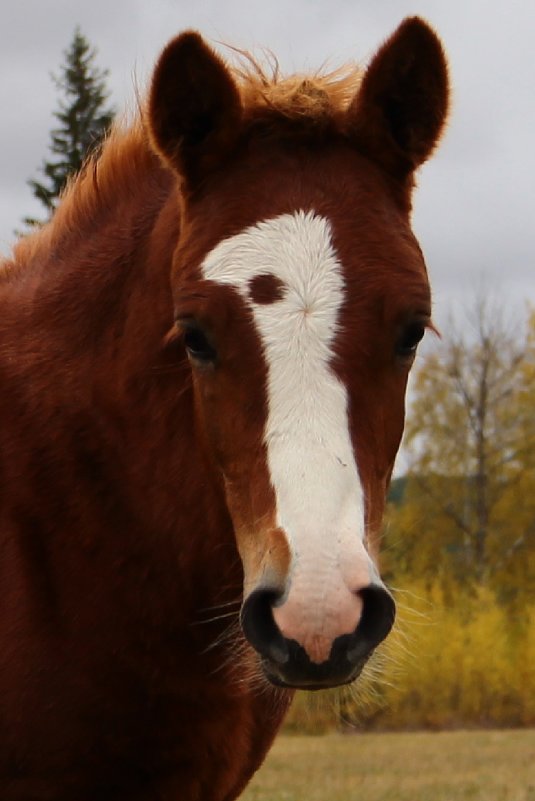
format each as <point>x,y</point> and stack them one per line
<point>445,766</point>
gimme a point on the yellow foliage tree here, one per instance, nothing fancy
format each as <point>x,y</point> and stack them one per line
<point>458,662</point>
<point>468,511</point>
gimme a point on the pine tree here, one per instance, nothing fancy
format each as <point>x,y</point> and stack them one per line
<point>83,120</point>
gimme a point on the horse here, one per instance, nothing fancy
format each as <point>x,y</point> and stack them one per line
<point>203,362</point>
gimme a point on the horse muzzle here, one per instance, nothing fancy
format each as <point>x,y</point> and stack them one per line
<point>286,662</point>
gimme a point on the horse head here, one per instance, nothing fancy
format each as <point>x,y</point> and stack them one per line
<point>300,295</point>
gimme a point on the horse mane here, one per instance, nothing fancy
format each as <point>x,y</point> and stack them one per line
<point>315,102</point>
<point>107,177</point>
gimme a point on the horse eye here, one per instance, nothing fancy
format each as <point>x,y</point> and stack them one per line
<point>197,345</point>
<point>408,342</point>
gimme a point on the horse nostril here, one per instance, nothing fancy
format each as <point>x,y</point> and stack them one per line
<point>378,614</point>
<point>260,628</point>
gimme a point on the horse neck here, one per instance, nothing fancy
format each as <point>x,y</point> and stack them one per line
<point>91,368</point>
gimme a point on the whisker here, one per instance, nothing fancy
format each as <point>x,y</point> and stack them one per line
<point>216,607</point>
<point>214,619</point>
<point>230,631</point>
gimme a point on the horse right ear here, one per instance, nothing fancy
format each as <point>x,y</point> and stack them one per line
<point>194,108</point>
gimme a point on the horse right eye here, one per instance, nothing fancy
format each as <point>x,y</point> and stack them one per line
<point>409,340</point>
<point>197,345</point>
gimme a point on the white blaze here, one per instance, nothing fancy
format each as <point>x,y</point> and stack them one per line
<point>312,467</point>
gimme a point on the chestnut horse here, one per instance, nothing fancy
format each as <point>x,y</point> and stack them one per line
<point>203,364</point>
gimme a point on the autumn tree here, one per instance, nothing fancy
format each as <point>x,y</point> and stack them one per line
<point>83,118</point>
<point>468,510</point>
<point>514,557</point>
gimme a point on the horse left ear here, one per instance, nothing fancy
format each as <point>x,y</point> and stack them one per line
<point>194,108</point>
<point>399,112</point>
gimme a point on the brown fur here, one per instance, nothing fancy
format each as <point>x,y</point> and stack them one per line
<point>132,482</point>
<point>266,289</point>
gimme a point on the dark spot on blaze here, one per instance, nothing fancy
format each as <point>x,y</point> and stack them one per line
<point>266,288</point>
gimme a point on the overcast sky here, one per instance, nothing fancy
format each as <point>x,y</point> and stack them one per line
<point>475,207</point>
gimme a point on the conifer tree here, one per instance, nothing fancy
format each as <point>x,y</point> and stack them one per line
<point>83,119</point>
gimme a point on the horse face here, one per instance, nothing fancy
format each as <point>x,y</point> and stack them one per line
<point>300,330</point>
<point>302,295</point>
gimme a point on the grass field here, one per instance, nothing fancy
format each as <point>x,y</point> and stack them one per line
<point>445,766</point>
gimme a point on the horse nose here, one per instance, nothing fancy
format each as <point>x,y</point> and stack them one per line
<point>286,662</point>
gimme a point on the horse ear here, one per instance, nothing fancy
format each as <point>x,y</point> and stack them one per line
<point>399,112</point>
<point>194,107</point>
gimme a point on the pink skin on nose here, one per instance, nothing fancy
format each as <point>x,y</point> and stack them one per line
<point>317,611</point>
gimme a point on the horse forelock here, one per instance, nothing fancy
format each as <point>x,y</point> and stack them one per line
<point>314,99</point>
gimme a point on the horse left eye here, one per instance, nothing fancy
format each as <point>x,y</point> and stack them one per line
<point>409,339</point>
<point>197,345</point>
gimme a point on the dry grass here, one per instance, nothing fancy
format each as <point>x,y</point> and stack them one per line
<point>445,766</point>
